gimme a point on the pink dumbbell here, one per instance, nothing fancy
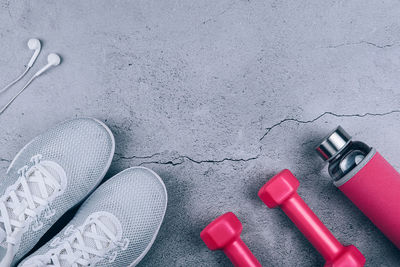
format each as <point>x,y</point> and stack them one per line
<point>281,191</point>
<point>224,234</point>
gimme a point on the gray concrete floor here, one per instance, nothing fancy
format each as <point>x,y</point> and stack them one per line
<point>217,96</point>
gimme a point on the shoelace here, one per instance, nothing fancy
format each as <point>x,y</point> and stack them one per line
<point>92,241</point>
<point>24,201</point>
<point>20,203</point>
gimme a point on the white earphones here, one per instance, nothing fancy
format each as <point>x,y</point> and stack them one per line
<point>52,60</point>
<point>33,44</point>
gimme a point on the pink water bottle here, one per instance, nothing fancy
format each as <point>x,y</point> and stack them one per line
<point>366,178</point>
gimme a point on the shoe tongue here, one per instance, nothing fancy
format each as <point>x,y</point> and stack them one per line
<point>90,242</point>
<point>34,187</point>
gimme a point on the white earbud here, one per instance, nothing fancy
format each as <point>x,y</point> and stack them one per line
<point>52,60</point>
<point>34,44</point>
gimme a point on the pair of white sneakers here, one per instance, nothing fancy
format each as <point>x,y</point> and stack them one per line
<point>115,226</point>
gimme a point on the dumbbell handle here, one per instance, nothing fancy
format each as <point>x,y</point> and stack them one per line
<point>240,255</point>
<point>312,228</point>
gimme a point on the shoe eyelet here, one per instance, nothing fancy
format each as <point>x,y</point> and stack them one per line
<point>55,242</point>
<point>112,257</point>
<point>125,244</point>
<point>37,226</point>
<point>49,213</point>
<point>69,230</point>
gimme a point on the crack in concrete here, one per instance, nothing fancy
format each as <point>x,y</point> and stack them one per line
<point>363,42</point>
<point>269,129</point>
<point>121,157</point>
<point>182,160</point>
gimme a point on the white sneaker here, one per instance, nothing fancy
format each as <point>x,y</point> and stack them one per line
<point>115,226</point>
<point>50,175</point>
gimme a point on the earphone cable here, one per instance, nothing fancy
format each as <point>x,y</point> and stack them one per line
<point>15,81</point>
<point>20,92</point>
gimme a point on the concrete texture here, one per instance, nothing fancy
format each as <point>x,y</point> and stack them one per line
<point>217,97</point>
